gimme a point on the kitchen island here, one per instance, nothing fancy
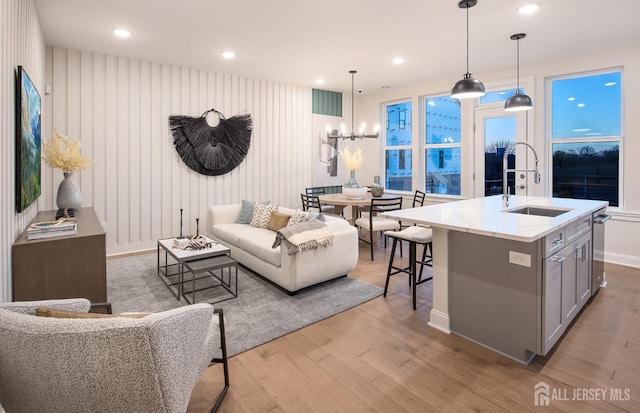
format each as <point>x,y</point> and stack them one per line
<point>510,278</point>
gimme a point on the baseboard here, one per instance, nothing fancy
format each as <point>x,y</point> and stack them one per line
<point>622,259</point>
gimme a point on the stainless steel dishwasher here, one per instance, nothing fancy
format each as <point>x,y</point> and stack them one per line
<point>598,278</point>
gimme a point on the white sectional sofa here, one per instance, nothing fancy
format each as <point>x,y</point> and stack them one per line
<point>252,247</point>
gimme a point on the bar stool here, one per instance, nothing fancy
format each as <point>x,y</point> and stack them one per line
<point>414,235</point>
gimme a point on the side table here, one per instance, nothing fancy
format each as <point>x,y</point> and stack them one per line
<point>209,266</point>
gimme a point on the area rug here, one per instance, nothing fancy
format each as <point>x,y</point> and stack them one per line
<point>261,312</point>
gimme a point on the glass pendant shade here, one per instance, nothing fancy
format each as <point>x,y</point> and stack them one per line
<point>517,102</point>
<point>467,88</point>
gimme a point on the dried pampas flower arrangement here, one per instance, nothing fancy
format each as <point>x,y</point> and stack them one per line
<point>63,152</point>
<point>352,161</point>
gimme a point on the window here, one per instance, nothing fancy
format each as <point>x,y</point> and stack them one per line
<point>498,96</point>
<point>398,147</point>
<point>586,125</point>
<point>442,145</point>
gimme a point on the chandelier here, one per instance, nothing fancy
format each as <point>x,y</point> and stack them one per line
<point>335,134</point>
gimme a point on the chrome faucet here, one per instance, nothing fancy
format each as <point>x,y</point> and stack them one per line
<point>536,172</point>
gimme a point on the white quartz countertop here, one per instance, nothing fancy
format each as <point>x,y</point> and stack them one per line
<point>487,216</point>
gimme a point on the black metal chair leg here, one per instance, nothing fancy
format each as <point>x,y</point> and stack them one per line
<point>393,251</point>
<point>224,360</point>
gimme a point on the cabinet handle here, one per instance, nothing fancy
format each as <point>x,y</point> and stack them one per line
<point>580,251</point>
<point>557,241</point>
<point>558,259</point>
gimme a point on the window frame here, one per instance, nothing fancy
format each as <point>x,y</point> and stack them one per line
<point>423,147</point>
<point>550,141</point>
<point>410,147</point>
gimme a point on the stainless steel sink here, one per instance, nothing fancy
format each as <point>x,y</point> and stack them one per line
<point>534,210</point>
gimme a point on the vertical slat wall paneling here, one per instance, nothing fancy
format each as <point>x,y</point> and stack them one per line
<point>122,173</point>
<point>111,163</point>
<point>166,145</point>
<point>136,154</point>
<point>176,197</point>
<point>58,117</point>
<point>144,183</point>
<point>155,149</point>
<point>99,138</point>
<point>22,44</point>
<point>120,108</point>
<point>86,124</point>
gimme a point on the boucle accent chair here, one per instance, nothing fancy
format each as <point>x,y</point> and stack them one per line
<point>148,364</point>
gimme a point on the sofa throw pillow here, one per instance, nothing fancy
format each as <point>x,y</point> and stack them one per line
<point>246,211</point>
<point>277,221</point>
<point>52,312</point>
<point>315,214</point>
<point>298,217</point>
<point>262,215</point>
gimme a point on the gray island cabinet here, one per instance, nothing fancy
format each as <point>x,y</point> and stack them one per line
<point>509,278</point>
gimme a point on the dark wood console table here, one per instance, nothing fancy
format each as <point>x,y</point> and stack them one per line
<point>72,266</point>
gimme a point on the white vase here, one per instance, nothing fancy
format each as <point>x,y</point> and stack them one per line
<point>69,195</point>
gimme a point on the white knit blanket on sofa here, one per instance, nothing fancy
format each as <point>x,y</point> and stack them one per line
<point>304,236</point>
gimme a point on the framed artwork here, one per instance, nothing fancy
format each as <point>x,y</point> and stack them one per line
<point>28,134</point>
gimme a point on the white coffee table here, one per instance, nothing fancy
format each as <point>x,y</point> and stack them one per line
<point>172,273</point>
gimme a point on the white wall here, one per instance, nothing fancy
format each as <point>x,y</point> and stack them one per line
<point>119,108</point>
<point>22,44</point>
<point>623,231</point>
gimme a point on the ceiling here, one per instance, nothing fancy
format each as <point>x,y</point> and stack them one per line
<point>299,41</point>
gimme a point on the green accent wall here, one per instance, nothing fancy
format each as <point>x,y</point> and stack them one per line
<point>327,103</point>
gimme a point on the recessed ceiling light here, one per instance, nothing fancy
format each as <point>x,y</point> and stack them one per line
<point>580,105</point>
<point>398,60</point>
<point>122,33</point>
<point>611,83</point>
<point>528,8</point>
<point>228,54</point>
<point>571,99</point>
<point>320,82</point>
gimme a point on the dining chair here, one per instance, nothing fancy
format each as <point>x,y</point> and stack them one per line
<point>310,201</point>
<point>316,191</point>
<point>375,223</point>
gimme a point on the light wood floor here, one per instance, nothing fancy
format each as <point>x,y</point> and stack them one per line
<point>382,357</point>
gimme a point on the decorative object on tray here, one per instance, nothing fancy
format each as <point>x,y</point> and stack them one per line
<point>48,229</point>
<point>63,152</point>
<point>65,213</point>
<point>377,189</point>
<point>211,150</point>
<point>197,242</point>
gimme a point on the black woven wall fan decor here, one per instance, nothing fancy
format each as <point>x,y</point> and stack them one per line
<point>211,150</point>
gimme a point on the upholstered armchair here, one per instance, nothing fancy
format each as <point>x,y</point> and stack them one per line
<point>148,364</point>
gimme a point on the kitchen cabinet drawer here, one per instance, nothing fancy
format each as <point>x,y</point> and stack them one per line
<point>577,228</point>
<point>554,242</point>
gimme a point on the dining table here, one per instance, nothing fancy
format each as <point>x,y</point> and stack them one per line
<point>340,201</point>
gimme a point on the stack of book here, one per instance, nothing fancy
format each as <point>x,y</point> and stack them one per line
<point>51,229</point>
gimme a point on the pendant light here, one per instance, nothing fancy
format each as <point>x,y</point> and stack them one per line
<point>343,135</point>
<point>468,87</point>
<point>519,101</point>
